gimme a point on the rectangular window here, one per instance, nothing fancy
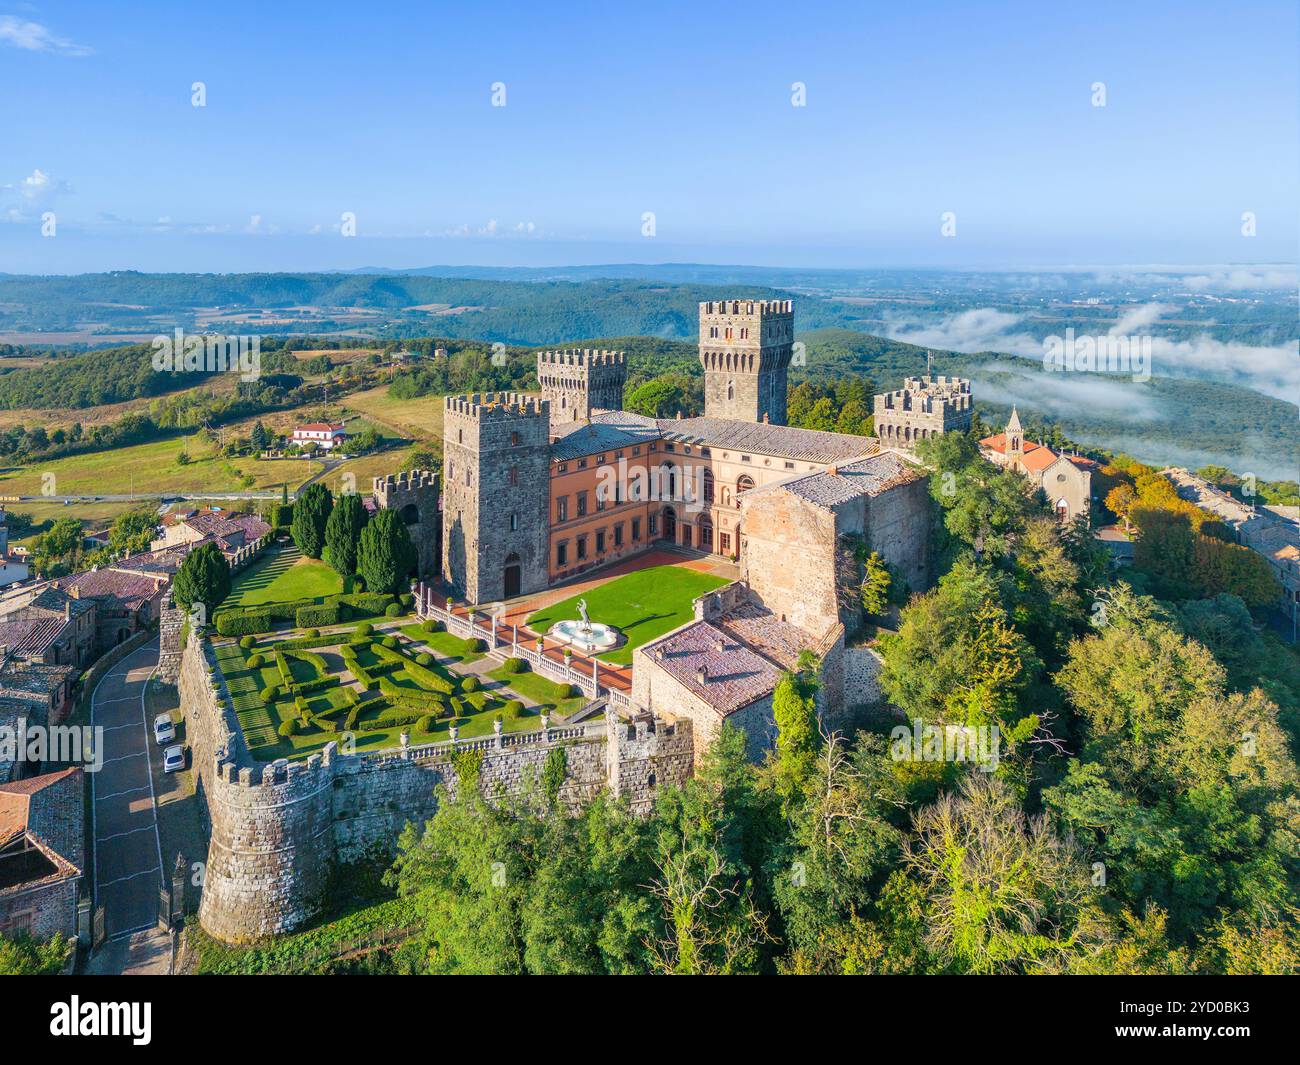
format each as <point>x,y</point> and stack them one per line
<point>582,464</point>
<point>562,509</point>
<point>789,465</point>
<point>600,542</point>
<point>514,439</point>
<point>562,553</point>
<point>744,458</point>
<point>514,522</point>
<point>724,543</point>
<point>636,529</point>
<point>514,476</point>
<point>582,503</point>
<point>618,535</point>
<point>653,525</point>
<point>582,548</point>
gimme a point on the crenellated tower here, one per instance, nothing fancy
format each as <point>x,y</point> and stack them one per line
<point>578,383</point>
<point>924,407</point>
<point>745,349</point>
<point>496,495</point>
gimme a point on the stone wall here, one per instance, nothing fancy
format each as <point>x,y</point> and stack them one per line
<point>787,557</point>
<point>414,495</point>
<point>277,829</point>
<point>171,624</point>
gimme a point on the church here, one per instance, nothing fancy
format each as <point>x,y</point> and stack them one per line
<point>1066,480</point>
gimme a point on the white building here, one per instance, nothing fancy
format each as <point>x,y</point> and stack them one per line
<point>322,434</point>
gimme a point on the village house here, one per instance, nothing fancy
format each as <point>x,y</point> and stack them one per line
<point>323,434</point>
<point>42,854</point>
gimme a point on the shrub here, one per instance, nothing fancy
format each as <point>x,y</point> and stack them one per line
<point>248,643</point>
<point>514,665</point>
<point>358,583</point>
<point>391,642</point>
<point>288,727</point>
<point>425,724</point>
<point>243,623</point>
<point>477,645</point>
<point>512,709</point>
<point>406,599</point>
<point>365,629</point>
<point>432,626</point>
<point>392,610</point>
<point>424,658</point>
<point>311,634</point>
<point>323,614</point>
<point>256,661</point>
<point>268,695</point>
<point>469,684</point>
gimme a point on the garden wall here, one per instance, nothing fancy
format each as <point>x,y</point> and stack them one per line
<point>278,828</point>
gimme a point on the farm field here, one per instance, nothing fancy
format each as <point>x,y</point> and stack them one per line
<point>155,467</point>
<point>421,418</point>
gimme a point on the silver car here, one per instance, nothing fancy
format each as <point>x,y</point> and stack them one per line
<point>164,730</point>
<point>174,759</point>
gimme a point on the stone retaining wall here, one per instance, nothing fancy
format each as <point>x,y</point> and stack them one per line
<point>278,828</point>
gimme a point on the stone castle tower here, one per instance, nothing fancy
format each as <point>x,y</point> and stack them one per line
<point>923,407</point>
<point>745,349</point>
<point>496,496</point>
<point>414,496</point>
<point>578,383</point>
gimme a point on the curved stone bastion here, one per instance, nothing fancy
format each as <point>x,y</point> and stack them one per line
<point>277,829</point>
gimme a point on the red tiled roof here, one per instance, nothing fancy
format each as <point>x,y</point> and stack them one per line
<point>1036,457</point>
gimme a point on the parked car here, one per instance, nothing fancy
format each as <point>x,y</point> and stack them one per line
<point>164,731</point>
<point>174,759</point>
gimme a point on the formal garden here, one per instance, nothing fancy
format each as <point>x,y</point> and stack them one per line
<point>316,641</point>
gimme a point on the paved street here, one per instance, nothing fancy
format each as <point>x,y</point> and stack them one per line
<point>127,852</point>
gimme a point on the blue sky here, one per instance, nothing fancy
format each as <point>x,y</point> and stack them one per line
<point>613,110</point>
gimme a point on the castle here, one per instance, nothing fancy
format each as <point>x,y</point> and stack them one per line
<point>538,489</point>
<point>541,489</point>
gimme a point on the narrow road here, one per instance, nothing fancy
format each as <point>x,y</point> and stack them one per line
<point>128,865</point>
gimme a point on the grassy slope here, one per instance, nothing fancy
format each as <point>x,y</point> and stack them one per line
<point>283,576</point>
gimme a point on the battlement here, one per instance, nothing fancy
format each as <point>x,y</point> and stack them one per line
<point>761,308</point>
<point>497,406</point>
<point>407,481</point>
<point>927,394</point>
<point>585,357</point>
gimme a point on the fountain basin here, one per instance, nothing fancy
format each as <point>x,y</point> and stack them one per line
<point>593,637</point>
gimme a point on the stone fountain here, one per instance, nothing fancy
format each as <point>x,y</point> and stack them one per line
<point>585,634</point>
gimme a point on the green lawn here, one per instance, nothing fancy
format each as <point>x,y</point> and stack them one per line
<point>538,689</point>
<point>644,605</point>
<point>447,645</point>
<point>281,576</point>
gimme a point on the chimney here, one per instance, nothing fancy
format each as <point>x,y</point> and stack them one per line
<point>834,471</point>
<point>702,675</point>
<point>67,608</point>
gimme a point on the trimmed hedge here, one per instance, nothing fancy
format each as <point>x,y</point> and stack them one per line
<point>248,643</point>
<point>244,623</point>
<point>514,665</point>
<point>470,684</point>
<point>324,614</point>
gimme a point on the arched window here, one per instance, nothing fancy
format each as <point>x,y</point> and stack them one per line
<point>743,484</point>
<point>731,390</point>
<point>708,485</point>
<point>410,514</point>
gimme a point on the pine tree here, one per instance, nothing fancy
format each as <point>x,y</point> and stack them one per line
<point>204,577</point>
<point>386,555</point>
<point>311,510</point>
<point>343,533</point>
<point>260,438</point>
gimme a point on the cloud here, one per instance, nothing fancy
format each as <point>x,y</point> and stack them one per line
<point>33,37</point>
<point>1065,394</point>
<point>1273,370</point>
<point>26,199</point>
